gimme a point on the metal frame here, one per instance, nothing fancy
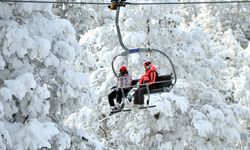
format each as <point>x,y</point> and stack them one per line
<point>128,51</point>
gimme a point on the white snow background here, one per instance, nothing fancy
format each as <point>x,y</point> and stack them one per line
<point>55,75</point>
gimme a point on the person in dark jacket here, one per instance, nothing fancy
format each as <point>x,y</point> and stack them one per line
<point>123,85</point>
<point>148,78</point>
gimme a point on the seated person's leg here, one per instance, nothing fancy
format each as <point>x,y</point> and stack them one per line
<point>126,91</point>
<point>119,96</point>
<point>141,92</point>
<point>136,97</point>
<point>111,98</point>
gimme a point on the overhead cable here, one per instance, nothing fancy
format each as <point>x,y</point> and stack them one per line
<point>127,3</point>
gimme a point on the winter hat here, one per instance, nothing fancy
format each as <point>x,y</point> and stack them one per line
<point>123,68</point>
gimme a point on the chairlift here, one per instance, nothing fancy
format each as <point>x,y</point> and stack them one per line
<point>165,82</point>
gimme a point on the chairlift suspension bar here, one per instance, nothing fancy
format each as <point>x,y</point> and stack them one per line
<point>117,8</point>
<point>118,29</point>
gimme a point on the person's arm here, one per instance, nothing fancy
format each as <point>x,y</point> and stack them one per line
<point>127,81</point>
<point>141,80</point>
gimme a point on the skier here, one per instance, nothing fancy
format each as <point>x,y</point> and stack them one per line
<point>148,78</point>
<point>123,85</point>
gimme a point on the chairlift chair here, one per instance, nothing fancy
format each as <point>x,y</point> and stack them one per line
<point>165,82</point>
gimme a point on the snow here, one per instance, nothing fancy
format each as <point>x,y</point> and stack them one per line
<point>54,87</point>
<point>42,132</point>
<point>52,60</point>
<point>213,114</point>
<point>64,50</point>
<point>198,115</point>
<point>30,7</point>
<point>17,63</point>
<point>86,114</point>
<point>204,127</point>
<point>135,39</point>
<point>64,141</point>
<point>75,79</point>
<point>5,11</point>
<point>5,137</point>
<point>84,128</point>
<point>21,85</point>
<point>232,135</point>
<point>166,108</point>
<point>2,63</point>
<point>43,47</point>
<point>165,146</point>
<point>181,102</point>
<point>37,105</point>
<point>241,111</point>
<point>130,24</point>
<point>1,111</point>
<point>18,41</point>
<point>5,94</point>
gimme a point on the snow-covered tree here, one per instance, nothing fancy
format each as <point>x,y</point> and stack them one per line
<point>44,77</point>
<point>202,108</point>
<point>53,88</point>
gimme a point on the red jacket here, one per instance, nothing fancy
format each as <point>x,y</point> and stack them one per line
<point>149,77</point>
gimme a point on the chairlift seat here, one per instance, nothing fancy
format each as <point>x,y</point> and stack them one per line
<point>163,84</point>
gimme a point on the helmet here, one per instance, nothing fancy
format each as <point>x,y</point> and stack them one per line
<point>147,63</point>
<point>123,68</point>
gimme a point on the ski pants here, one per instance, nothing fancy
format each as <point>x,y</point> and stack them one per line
<point>139,94</point>
<point>118,95</point>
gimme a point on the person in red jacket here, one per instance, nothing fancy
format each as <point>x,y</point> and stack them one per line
<point>148,78</point>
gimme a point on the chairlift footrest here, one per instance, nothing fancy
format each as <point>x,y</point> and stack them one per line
<point>128,110</point>
<point>145,107</point>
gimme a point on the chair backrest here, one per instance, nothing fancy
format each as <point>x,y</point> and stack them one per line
<point>165,77</point>
<point>162,84</point>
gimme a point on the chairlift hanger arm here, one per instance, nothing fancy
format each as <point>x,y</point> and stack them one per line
<point>136,50</point>
<point>118,29</point>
